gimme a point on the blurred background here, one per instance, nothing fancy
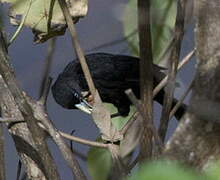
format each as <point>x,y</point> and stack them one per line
<point>103,24</point>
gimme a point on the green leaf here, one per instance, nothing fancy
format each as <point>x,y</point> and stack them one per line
<point>119,121</point>
<point>213,172</point>
<point>162,170</point>
<point>163,15</point>
<point>45,17</point>
<point>99,163</point>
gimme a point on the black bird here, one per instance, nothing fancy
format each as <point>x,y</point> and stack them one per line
<point>112,75</point>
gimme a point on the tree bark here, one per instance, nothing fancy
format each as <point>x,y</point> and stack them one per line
<point>146,78</point>
<point>29,135</point>
<point>2,152</point>
<point>196,140</point>
<point>21,135</point>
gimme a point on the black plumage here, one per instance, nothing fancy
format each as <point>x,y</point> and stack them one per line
<point>112,75</point>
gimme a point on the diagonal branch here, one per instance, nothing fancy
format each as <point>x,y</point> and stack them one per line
<point>175,108</point>
<point>78,49</point>
<point>49,167</point>
<point>168,98</point>
<point>163,83</point>
<point>70,158</point>
<point>20,133</point>
<point>195,142</point>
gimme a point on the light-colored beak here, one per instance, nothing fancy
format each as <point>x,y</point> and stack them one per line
<point>84,106</point>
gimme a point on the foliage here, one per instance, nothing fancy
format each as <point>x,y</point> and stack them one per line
<point>44,17</point>
<point>99,160</point>
<point>162,170</point>
<point>213,171</point>
<point>99,163</point>
<point>163,15</point>
<point>119,121</point>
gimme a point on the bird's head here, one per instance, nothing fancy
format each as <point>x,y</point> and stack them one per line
<point>69,95</point>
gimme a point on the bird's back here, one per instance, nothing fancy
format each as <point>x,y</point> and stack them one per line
<point>106,69</point>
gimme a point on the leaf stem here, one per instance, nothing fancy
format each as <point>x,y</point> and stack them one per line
<point>21,25</point>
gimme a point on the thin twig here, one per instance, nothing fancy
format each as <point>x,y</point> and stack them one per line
<point>163,83</point>
<point>10,120</point>
<point>78,172</point>
<point>48,64</point>
<point>83,141</point>
<point>134,101</point>
<point>18,170</point>
<point>45,92</point>
<point>21,25</point>
<point>67,136</point>
<point>172,71</point>
<point>63,147</point>
<point>139,108</point>
<point>78,49</point>
<point>180,101</point>
<point>129,123</point>
<point>133,163</point>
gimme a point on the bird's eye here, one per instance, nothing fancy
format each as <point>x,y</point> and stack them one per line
<point>76,94</point>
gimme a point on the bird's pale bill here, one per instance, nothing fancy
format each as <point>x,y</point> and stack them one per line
<point>84,106</point>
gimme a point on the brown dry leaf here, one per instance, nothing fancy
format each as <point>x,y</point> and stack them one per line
<point>102,119</point>
<point>132,136</point>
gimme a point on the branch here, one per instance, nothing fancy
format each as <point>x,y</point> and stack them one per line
<point>156,90</point>
<point>163,83</point>
<point>21,135</point>
<point>46,80</point>
<point>168,98</point>
<point>48,165</point>
<point>139,108</point>
<point>83,141</point>
<point>178,104</point>
<point>19,166</point>
<point>2,150</point>
<point>78,50</point>
<point>195,142</point>
<point>146,76</point>
<point>10,120</point>
<point>57,138</point>
<point>46,90</point>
